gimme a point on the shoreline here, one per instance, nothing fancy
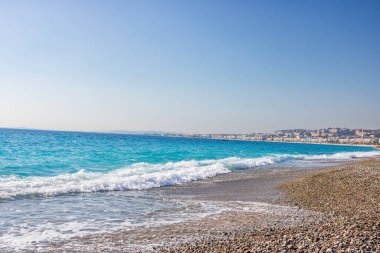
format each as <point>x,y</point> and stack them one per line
<point>296,142</point>
<point>256,205</point>
<point>247,198</point>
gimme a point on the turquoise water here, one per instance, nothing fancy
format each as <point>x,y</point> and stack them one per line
<point>54,185</point>
<point>48,153</point>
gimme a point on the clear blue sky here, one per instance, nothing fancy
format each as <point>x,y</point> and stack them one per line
<point>189,66</point>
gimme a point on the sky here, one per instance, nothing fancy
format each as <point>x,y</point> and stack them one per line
<point>189,66</point>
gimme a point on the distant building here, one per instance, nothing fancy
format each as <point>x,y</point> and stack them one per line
<point>359,133</point>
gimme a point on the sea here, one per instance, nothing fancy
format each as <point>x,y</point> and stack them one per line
<point>56,185</point>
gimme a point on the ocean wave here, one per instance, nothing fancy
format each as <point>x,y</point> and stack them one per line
<point>141,176</point>
<point>342,156</point>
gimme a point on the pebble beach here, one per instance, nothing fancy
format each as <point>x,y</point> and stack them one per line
<point>348,200</point>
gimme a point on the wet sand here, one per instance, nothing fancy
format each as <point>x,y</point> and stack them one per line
<point>255,185</point>
<point>258,216</point>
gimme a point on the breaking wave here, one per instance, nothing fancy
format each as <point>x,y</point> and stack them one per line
<point>141,176</point>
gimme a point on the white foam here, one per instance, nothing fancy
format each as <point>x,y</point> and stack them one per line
<point>145,176</point>
<point>135,177</point>
<point>343,156</point>
<point>36,237</point>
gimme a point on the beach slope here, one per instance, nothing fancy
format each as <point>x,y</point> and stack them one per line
<point>347,196</point>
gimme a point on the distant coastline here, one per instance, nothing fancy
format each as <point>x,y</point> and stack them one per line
<point>294,142</point>
<point>360,138</point>
<point>326,136</point>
